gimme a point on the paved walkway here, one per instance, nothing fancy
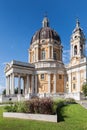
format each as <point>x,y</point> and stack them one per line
<point>83,103</point>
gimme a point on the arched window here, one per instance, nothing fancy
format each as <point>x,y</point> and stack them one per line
<point>43,53</point>
<point>75,50</point>
<point>81,49</point>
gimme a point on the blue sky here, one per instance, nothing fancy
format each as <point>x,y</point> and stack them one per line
<point>20,19</point>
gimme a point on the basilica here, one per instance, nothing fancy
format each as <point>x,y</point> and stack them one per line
<point>45,74</point>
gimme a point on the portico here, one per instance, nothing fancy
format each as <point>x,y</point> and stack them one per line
<point>23,72</point>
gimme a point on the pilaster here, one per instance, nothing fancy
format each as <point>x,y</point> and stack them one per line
<point>28,84</point>
<point>78,81</point>
<point>54,83</point>
<point>36,84</point>
<point>69,77</point>
<point>32,84</point>
<point>48,83</point>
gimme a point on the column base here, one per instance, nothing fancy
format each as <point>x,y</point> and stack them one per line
<point>76,95</point>
<point>28,96</point>
<point>19,97</point>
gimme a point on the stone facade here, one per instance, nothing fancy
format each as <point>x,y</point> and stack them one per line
<point>46,73</point>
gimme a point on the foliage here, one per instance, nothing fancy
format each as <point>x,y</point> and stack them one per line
<point>69,101</point>
<point>45,106</point>
<point>57,103</point>
<point>84,89</point>
<point>16,107</point>
<point>4,92</point>
<point>15,91</point>
<point>42,106</point>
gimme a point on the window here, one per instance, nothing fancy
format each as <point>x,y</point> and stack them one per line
<point>43,41</point>
<point>75,50</point>
<point>60,76</point>
<point>74,78</point>
<point>43,54</point>
<point>81,49</point>
<point>75,36</point>
<point>74,86</point>
<point>42,76</point>
<point>55,56</point>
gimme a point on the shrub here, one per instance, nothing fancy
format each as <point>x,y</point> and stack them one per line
<point>10,108</point>
<point>45,106</point>
<point>16,107</point>
<point>84,89</point>
<point>19,106</point>
<point>32,106</point>
<point>69,101</point>
<point>57,103</point>
<point>42,106</point>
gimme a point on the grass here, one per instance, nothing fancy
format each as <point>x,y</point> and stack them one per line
<point>74,118</point>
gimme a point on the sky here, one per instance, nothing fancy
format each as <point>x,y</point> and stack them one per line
<point>20,19</point>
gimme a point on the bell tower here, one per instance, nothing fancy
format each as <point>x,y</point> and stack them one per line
<point>77,43</point>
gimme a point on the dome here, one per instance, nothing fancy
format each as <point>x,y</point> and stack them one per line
<point>45,32</point>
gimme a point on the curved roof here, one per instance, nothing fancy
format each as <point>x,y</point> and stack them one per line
<point>45,32</point>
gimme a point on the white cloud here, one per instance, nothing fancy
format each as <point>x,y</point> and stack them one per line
<point>66,51</point>
<point>4,63</point>
<point>2,76</point>
<point>66,56</point>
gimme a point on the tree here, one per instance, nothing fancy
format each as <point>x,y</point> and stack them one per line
<point>4,92</point>
<point>84,89</point>
<point>15,91</point>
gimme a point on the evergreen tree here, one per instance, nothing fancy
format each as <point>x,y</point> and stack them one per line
<point>84,89</point>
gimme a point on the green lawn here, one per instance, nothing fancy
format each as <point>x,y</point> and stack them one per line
<point>75,118</point>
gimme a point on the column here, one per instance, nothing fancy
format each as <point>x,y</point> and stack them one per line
<point>52,52</point>
<point>32,84</point>
<point>7,85</point>
<point>71,53</point>
<point>84,50</point>
<point>12,83</point>
<point>61,53</point>
<point>54,83</point>
<point>23,86</point>
<point>69,75</point>
<point>28,84</point>
<point>36,84</point>
<point>34,55</point>
<point>48,52</point>
<point>65,81</point>
<point>19,84</point>
<point>37,54</point>
<point>78,81</point>
<point>48,83</point>
<point>85,74</point>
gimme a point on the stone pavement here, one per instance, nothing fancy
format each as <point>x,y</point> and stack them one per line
<point>83,103</point>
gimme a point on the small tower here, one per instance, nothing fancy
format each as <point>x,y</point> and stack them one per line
<point>77,43</point>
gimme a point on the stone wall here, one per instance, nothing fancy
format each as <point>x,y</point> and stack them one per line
<point>41,117</point>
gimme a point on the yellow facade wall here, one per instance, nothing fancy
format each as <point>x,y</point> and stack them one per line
<point>42,84</point>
